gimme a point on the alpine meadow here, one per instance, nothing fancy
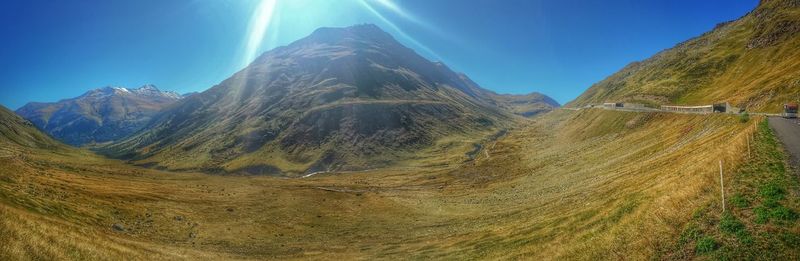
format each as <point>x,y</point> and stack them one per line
<point>400,130</point>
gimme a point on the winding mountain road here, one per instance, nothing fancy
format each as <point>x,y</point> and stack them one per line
<point>788,130</point>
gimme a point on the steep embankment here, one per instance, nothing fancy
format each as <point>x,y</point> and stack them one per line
<point>752,62</point>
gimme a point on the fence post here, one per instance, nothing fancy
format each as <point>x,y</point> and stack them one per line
<point>748,146</point>
<point>722,186</point>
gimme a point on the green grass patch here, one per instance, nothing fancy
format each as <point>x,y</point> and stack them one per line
<point>691,233</point>
<point>705,245</point>
<point>772,192</point>
<point>729,224</point>
<point>783,214</point>
<point>763,221</point>
<point>738,200</point>
<point>626,208</point>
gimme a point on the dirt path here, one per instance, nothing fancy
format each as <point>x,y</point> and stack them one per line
<point>788,130</point>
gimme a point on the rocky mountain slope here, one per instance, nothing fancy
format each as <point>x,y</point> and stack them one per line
<point>752,62</point>
<point>341,98</point>
<point>100,115</point>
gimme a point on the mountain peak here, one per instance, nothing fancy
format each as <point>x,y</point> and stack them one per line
<point>341,98</point>
<point>359,28</point>
<point>105,114</point>
<point>102,92</point>
<point>148,87</point>
<point>363,32</point>
<point>144,90</point>
<point>152,90</point>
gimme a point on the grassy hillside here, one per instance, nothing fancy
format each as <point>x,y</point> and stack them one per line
<point>349,98</point>
<point>568,185</point>
<point>761,212</point>
<point>18,132</point>
<point>753,62</point>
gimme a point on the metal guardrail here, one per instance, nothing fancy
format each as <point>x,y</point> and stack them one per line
<point>670,111</point>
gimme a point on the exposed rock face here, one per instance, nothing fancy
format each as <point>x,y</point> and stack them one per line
<point>100,115</point>
<point>341,98</point>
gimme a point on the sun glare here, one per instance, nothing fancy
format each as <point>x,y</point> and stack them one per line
<point>391,6</point>
<point>259,22</point>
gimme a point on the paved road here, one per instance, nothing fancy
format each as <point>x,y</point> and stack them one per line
<point>788,130</point>
<point>645,109</point>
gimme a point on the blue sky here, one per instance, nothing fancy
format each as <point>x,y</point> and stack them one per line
<point>59,49</point>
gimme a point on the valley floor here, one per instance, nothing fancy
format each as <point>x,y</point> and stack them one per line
<point>590,184</point>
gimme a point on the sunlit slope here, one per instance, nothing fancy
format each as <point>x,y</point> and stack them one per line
<point>751,62</point>
<point>57,205</point>
<point>340,99</point>
<point>579,185</point>
<point>601,185</point>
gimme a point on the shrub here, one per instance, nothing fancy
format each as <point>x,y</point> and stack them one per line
<point>744,117</point>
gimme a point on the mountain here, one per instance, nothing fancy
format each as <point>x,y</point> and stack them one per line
<point>527,105</point>
<point>188,94</point>
<point>16,131</point>
<point>341,98</point>
<point>752,62</point>
<point>100,115</point>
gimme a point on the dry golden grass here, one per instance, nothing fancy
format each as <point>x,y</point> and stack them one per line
<point>569,185</point>
<point>751,62</point>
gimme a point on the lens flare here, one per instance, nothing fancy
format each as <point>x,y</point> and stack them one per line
<point>393,7</point>
<point>259,22</point>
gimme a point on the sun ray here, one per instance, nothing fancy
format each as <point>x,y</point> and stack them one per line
<point>397,29</point>
<point>259,23</point>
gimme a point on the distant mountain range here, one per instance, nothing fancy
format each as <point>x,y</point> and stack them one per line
<point>100,115</point>
<point>341,98</point>
<point>752,62</point>
<point>527,105</point>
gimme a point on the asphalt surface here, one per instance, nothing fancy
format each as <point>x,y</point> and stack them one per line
<point>788,130</point>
